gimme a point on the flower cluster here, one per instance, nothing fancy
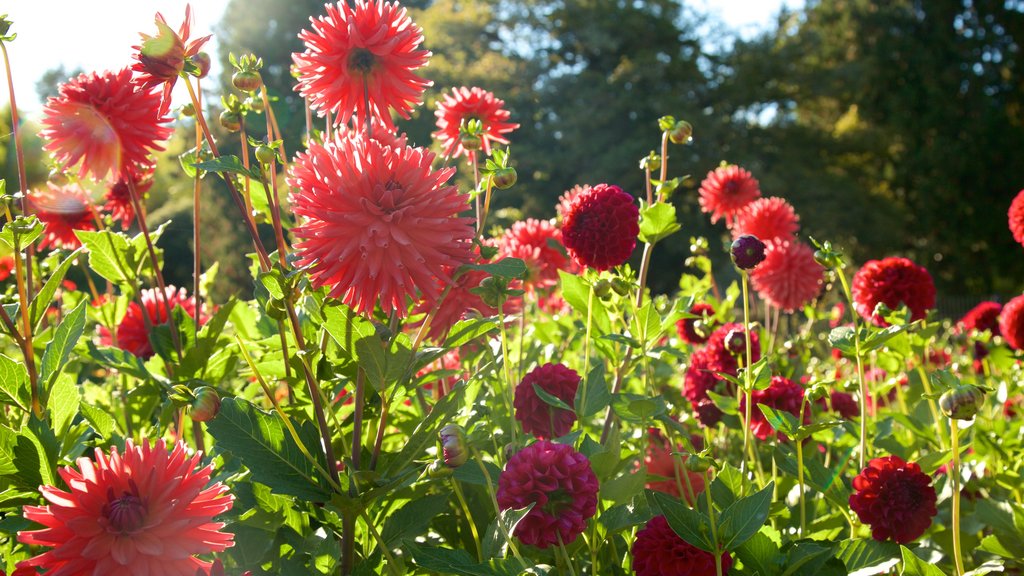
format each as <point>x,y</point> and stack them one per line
<point>702,373</point>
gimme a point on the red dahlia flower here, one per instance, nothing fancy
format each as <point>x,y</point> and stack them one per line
<point>539,244</point>
<point>600,227</point>
<point>843,404</point>
<point>440,384</point>
<point>984,316</point>
<point>1011,323</point>
<point>378,222</point>
<point>161,58</point>
<point>538,417</point>
<point>768,219</point>
<point>565,200</point>
<point>893,281</point>
<point>726,190</point>
<point>359,61</point>
<point>561,485</point>
<point>701,375</point>
<point>118,195</point>
<point>1016,215</point>
<point>789,277</point>
<point>465,104</point>
<point>145,511</point>
<point>783,394</point>
<point>104,123</point>
<point>133,332</point>
<point>6,267</point>
<point>659,461</point>
<point>62,210</point>
<point>659,551</point>
<point>895,498</point>
<point>697,330</point>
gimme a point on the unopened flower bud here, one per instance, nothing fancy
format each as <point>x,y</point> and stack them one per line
<point>265,154</point>
<point>231,120</point>
<point>206,404</point>
<point>747,252</point>
<point>698,463</point>
<point>621,287</point>
<point>681,132</point>
<point>437,469</point>
<point>470,141</point>
<point>735,342</point>
<point>202,62</point>
<point>255,104</point>
<point>188,110</point>
<point>504,178</point>
<point>453,445</point>
<point>247,80</point>
<point>603,288</point>
<point>961,402</point>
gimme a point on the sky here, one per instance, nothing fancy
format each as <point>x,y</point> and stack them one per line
<point>99,34</point>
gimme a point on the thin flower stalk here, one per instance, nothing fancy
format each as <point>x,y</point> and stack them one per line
<point>20,158</point>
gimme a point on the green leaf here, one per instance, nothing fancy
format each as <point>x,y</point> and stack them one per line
<point>550,399</point>
<point>55,357</point>
<point>459,562</point>
<point>8,439</point>
<point>228,164</point>
<point>471,473</point>
<point>576,292</point>
<point>780,420</point>
<point>98,418</point>
<point>842,338</point>
<point>14,383</point>
<point>43,299</point>
<point>728,486</point>
<point>120,360</point>
<point>914,566</point>
<point>411,520</point>
<point>761,554</point>
<point>260,440</point>
<point>494,542</point>
<point>657,221</point>
<point>637,408</point>
<point>598,395</point>
<point>511,268</point>
<point>727,404</point>
<point>63,403</point>
<point>111,255</point>
<point>687,523</point>
<point>35,454</point>
<point>21,232</point>
<point>867,553</point>
<point>623,488</point>
<point>741,520</point>
<point>807,558</point>
<point>466,331</point>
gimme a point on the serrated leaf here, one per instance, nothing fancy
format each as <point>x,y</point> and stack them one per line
<point>63,403</point>
<point>864,554</point>
<point>22,231</point>
<point>741,520</point>
<point>728,486</point>
<point>842,338</point>
<point>761,554</point>
<point>466,331</point>
<point>260,440</point>
<point>459,562</point>
<point>494,542</point>
<point>228,164</point>
<point>914,566</point>
<point>657,221</point>
<point>780,420</point>
<point>687,523</point>
<point>100,421</point>
<point>55,357</point>
<point>598,394</point>
<point>44,298</point>
<point>14,383</point>
<point>412,519</point>
<point>550,399</point>
<point>425,433</point>
<point>111,255</point>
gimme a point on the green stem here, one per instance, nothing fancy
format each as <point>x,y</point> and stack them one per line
<point>497,509</point>
<point>565,555</point>
<point>586,352</point>
<point>954,432</point>
<point>748,384</point>
<point>389,560</point>
<point>506,365</point>
<point>714,533</point>
<point>469,518</point>
<point>860,370</point>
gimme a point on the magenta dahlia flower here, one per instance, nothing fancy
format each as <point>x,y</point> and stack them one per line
<point>706,364</point>
<point>893,281</point>
<point>145,511</point>
<point>161,58</point>
<point>538,243</point>
<point>378,223</point>
<point>104,124</point>
<point>783,394</point>
<point>726,190</point>
<point>768,219</point>
<point>565,200</point>
<point>133,332</point>
<point>841,403</point>
<point>697,330</point>
<point>62,210</point>
<point>1016,216</point>
<point>536,416</point>
<point>561,485</point>
<point>360,60</point>
<point>895,498</point>
<point>659,551</point>
<point>1011,323</point>
<point>465,104</point>
<point>984,316</point>
<point>600,227</point>
<point>789,277</point>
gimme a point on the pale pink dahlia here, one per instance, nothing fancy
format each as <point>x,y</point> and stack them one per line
<point>539,244</point>
<point>378,223</point>
<point>766,218</point>
<point>359,60</point>
<point>134,330</point>
<point>144,512</point>
<point>789,277</point>
<point>726,190</point>
<point>62,210</point>
<point>465,104</point>
<point>561,485</point>
<point>104,124</point>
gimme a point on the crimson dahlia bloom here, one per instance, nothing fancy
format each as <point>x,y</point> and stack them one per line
<point>6,267</point>
<point>600,227</point>
<point>768,219</point>
<point>984,316</point>
<point>565,200</point>
<point>697,330</point>
<point>659,551</point>
<point>783,394</point>
<point>145,511</point>
<point>726,190</point>
<point>789,277</point>
<point>1011,323</point>
<point>1016,216</point>
<point>104,124</point>
<point>536,416</point>
<point>893,281</point>
<point>378,223</point>
<point>561,485</point>
<point>843,404</point>
<point>161,58</point>
<point>895,498</point>
<point>133,332</point>
<point>465,104</point>
<point>538,243</point>
<point>62,210</point>
<point>701,373</point>
<point>359,61</point>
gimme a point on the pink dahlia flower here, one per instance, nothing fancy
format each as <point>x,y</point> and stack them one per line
<point>360,60</point>
<point>161,58</point>
<point>893,281</point>
<point>561,485</point>
<point>133,332</point>
<point>146,511</point>
<point>118,195</point>
<point>104,124</point>
<point>539,244</point>
<point>783,394</point>
<point>726,190</point>
<point>789,277</point>
<point>62,210</point>
<point>1011,323</point>
<point>538,417</point>
<point>465,104</point>
<point>378,223</point>
<point>1016,216</point>
<point>600,227</point>
<point>768,219</point>
<point>659,551</point>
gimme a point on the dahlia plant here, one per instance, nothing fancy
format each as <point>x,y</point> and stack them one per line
<point>407,391</point>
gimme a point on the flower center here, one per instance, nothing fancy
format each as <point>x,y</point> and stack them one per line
<point>361,60</point>
<point>126,514</point>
